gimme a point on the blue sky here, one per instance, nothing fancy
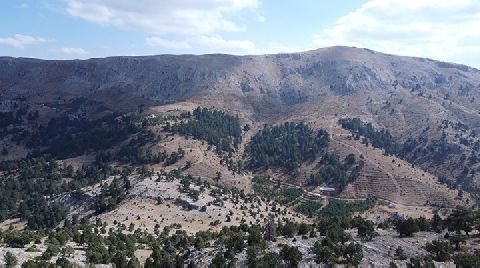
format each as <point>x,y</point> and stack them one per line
<point>66,29</point>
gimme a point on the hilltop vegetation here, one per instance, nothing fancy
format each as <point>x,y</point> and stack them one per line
<point>285,146</point>
<point>217,128</point>
<point>379,139</point>
<point>69,137</point>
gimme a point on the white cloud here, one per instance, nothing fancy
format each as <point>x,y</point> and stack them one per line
<point>161,42</point>
<point>73,51</point>
<point>440,29</point>
<point>185,17</point>
<point>20,40</point>
<point>217,43</point>
<point>195,23</point>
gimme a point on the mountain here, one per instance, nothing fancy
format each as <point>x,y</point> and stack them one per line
<point>284,78</point>
<point>428,110</point>
<point>335,155</point>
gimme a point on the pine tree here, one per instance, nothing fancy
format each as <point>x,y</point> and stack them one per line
<point>10,259</point>
<point>271,230</point>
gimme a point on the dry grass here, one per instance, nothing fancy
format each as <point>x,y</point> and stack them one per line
<point>143,209</point>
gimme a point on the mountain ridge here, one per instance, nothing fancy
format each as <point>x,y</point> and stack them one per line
<point>413,98</point>
<point>213,69</point>
<point>316,50</point>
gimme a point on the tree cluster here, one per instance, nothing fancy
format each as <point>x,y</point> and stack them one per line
<point>335,173</point>
<point>379,139</point>
<point>27,188</point>
<point>285,146</point>
<point>216,127</point>
<point>65,136</point>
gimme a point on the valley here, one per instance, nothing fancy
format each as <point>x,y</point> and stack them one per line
<point>318,157</point>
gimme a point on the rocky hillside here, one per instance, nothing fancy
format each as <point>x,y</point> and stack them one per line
<point>283,78</point>
<point>430,108</point>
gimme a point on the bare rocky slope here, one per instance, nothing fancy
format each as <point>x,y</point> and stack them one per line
<point>282,79</point>
<point>416,98</point>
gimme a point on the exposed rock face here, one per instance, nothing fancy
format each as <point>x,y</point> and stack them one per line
<point>288,78</point>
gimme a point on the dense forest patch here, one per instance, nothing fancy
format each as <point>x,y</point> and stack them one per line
<point>336,173</point>
<point>285,146</point>
<point>216,127</point>
<point>65,137</point>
